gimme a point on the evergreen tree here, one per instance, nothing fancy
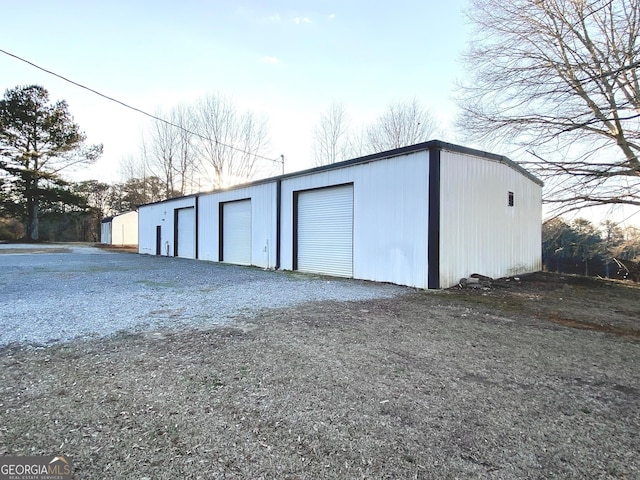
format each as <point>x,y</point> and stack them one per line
<point>38,140</point>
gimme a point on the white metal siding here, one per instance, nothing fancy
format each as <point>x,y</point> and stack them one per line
<point>124,230</point>
<point>479,232</point>
<point>390,209</point>
<point>325,231</point>
<point>105,233</point>
<point>186,233</point>
<point>236,232</point>
<point>150,216</point>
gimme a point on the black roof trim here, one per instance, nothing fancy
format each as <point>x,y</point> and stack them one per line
<point>490,156</point>
<point>110,219</point>
<point>438,144</point>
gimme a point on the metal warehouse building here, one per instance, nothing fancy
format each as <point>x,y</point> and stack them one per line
<point>423,216</point>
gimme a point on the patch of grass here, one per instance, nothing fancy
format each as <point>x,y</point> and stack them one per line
<point>43,270</point>
<point>154,284</point>
<point>96,269</point>
<point>208,289</point>
<point>89,269</point>
<point>29,251</point>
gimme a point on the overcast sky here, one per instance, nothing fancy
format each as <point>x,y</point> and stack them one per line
<point>287,60</point>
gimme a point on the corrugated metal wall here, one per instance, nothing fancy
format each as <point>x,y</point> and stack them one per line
<point>390,217</point>
<point>479,232</point>
<point>105,232</point>
<point>263,219</point>
<point>149,216</point>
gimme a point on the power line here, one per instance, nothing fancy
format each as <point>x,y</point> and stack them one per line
<point>627,218</point>
<point>280,160</point>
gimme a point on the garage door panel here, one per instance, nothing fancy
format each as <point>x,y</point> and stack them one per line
<point>186,233</point>
<point>236,232</point>
<point>325,231</point>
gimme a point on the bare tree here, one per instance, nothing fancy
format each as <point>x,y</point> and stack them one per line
<point>169,152</point>
<point>230,143</point>
<point>331,136</point>
<point>161,148</point>
<point>612,237</point>
<point>183,116</point>
<point>402,124</point>
<point>630,247</point>
<point>132,167</point>
<point>359,143</point>
<point>559,79</point>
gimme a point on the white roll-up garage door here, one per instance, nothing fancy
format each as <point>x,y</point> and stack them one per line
<point>186,235</point>
<point>325,231</point>
<point>236,232</point>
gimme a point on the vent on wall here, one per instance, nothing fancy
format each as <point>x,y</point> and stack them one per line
<point>510,199</point>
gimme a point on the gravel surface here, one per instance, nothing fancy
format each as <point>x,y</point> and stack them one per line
<point>57,293</point>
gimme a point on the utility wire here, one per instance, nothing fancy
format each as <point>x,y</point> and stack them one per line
<point>280,160</point>
<point>627,218</point>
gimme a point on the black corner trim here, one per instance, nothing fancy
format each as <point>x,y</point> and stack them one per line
<point>278,221</point>
<point>220,231</point>
<point>294,263</point>
<point>197,202</point>
<point>433,252</point>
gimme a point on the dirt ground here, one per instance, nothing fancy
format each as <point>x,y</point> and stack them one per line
<point>537,378</point>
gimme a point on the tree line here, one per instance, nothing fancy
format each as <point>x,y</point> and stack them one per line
<point>77,211</point>
<point>582,248</point>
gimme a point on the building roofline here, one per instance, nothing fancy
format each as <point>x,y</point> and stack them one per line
<point>490,156</point>
<point>425,146</point>
<point>110,219</point>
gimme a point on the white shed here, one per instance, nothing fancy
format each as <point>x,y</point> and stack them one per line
<point>423,216</point>
<point>120,230</point>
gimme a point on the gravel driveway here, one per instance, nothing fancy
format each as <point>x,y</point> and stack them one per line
<point>54,293</point>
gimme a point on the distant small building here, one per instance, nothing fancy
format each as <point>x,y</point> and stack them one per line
<point>120,230</point>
